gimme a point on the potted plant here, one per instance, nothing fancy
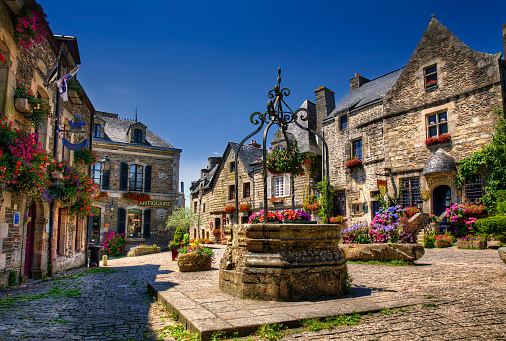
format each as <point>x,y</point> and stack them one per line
<point>336,220</point>
<point>136,196</point>
<point>472,242</point>
<point>175,244</point>
<point>195,257</point>
<point>312,204</point>
<point>86,156</point>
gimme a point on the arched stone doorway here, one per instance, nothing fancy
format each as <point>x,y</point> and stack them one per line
<point>439,196</point>
<point>35,250</point>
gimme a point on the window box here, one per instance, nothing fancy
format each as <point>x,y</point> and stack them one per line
<point>443,138</point>
<point>354,163</point>
<point>229,209</point>
<point>22,105</point>
<point>277,200</point>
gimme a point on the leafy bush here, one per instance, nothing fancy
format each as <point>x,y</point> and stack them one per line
<point>495,225</point>
<point>463,216</point>
<point>13,279</point>
<point>113,244</point>
<point>428,240</point>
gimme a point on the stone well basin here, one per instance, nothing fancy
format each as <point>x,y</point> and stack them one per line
<point>282,262</point>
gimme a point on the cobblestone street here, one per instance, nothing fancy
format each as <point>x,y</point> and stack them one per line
<point>467,288</point>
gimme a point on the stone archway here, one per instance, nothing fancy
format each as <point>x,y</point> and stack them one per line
<point>40,239</point>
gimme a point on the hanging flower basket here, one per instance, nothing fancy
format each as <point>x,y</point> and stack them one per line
<point>355,162</point>
<point>38,110</point>
<point>229,209</point>
<point>86,156</point>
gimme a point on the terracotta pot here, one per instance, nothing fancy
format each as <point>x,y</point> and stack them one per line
<point>193,262</point>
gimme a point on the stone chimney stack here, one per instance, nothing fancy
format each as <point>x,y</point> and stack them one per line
<point>213,161</point>
<point>325,103</point>
<point>357,81</point>
<point>504,38</point>
<point>254,144</point>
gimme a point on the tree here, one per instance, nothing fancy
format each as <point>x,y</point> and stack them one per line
<point>183,217</point>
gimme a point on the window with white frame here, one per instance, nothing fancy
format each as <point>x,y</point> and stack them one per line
<point>278,188</point>
<point>437,124</point>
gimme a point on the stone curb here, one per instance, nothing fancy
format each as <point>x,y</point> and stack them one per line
<point>200,319</point>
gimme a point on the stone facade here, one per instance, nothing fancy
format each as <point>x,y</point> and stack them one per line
<point>157,164</point>
<point>29,69</point>
<point>392,125</point>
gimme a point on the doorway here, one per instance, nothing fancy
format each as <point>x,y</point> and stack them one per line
<point>438,199</point>
<point>30,236</point>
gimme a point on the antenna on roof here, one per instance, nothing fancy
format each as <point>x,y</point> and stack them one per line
<point>136,113</point>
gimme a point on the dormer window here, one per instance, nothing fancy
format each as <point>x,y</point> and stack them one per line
<point>137,136</point>
<point>96,130</point>
<point>430,74</point>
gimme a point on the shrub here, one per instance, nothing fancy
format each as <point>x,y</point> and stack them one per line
<point>113,244</point>
<point>495,225</point>
<point>428,240</point>
<point>13,279</point>
<point>178,235</point>
<point>463,216</point>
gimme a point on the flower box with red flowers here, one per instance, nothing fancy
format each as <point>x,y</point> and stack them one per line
<point>102,195</point>
<point>136,196</point>
<point>431,83</point>
<point>229,209</point>
<point>336,220</point>
<point>276,200</point>
<point>355,162</point>
<point>245,207</point>
<point>443,138</point>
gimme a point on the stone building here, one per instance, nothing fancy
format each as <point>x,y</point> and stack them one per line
<point>26,220</point>
<point>141,163</point>
<point>445,88</point>
<point>215,189</point>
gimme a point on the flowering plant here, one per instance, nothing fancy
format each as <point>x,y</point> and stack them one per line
<point>274,199</point>
<point>229,209</point>
<point>469,237</point>
<point>431,83</point>
<point>434,219</point>
<point>196,249</point>
<point>258,217</point>
<point>32,27</point>
<point>311,204</point>
<point>444,138</point>
<point>142,245</point>
<point>357,233</point>
<point>113,244</point>
<point>354,162</point>
<point>299,215</point>
<point>443,238</point>
<point>201,241</point>
<point>411,211</point>
<point>431,141</point>
<point>336,220</point>
<point>87,156</point>
<point>102,194</point>
<point>216,232</point>
<point>245,207</point>
<point>2,57</point>
<point>39,109</point>
<point>462,217</point>
<point>285,160</point>
<point>83,207</point>
<point>136,196</point>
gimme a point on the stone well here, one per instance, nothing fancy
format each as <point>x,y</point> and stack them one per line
<point>282,262</point>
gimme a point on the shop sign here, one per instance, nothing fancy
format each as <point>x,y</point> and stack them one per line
<point>382,186</point>
<point>155,203</point>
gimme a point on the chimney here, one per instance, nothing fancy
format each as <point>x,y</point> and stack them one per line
<point>504,38</point>
<point>213,161</point>
<point>254,144</point>
<point>325,103</point>
<point>357,81</point>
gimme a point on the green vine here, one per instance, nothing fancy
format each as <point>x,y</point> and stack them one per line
<point>322,187</point>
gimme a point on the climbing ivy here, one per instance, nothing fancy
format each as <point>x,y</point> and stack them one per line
<point>492,158</point>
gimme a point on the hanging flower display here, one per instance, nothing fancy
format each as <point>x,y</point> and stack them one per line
<point>245,207</point>
<point>39,109</point>
<point>32,27</point>
<point>229,209</point>
<point>136,196</point>
<point>354,162</point>
<point>86,156</point>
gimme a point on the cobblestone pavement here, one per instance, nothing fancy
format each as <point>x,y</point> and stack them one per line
<point>467,288</point>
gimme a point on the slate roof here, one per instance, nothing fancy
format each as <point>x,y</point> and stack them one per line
<point>116,129</point>
<point>306,141</point>
<point>207,180</point>
<point>440,162</point>
<point>367,93</point>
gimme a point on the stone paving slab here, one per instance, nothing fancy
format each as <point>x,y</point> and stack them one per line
<point>204,309</point>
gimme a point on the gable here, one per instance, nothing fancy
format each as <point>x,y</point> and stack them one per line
<point>459,69</point>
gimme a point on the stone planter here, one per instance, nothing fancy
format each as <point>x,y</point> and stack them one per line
<point>282,262</point>
<point>434,227</point>
<point>22,105</point>
<point>193,262</point>
<point>502,254</point>
<point>382,252</point>
<point>438,243</point>
<point>138,251</point>
<point>471,244</point>
<point>299,222</point>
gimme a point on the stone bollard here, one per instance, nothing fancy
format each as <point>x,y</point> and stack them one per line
<point>104,260</point>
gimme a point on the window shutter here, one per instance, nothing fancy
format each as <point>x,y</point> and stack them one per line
<point>147,179</point>
<point>121,220</point>
<point>147,223</point>
<point>123,177</point>
<point>269,186</point>
<point>286,185</point>
<point>106,179</point>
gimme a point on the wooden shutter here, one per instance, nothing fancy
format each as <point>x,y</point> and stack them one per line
<point>147,179</point>
<point>147,223</point>
<point>121,220</point>
<point>269,186</point>
<point>123,177</point>
<point>106,180</point>
<point>286,185</point>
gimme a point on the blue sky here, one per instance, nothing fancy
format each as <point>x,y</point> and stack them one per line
<point>196,70</point>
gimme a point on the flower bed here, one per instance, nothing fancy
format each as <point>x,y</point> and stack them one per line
<point>113,244</point>
<point>336,220</point>
<point>291,216</point>
<point>354,162</point>
<point>472,242</point>
<point>136,196</point>
<point>442,240</point>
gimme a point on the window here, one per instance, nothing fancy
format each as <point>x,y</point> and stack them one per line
<point>203,207</point>
<point>277,186</point>
<point>195,207</point>
<point>231,192</point>
<point>357,149</point>
<point>340,203</point>
<point>96,172</point>
<point>343,122</point>
<point>410,192</point>
<point>431,77</point>
<point>473,188</point>
<point>137,135</point>
<point>232,166</point>
<point>96,130</point>
<point>246,192</point>
<point>437,124</point>
<point>134,223</point>
<point>135,178</point>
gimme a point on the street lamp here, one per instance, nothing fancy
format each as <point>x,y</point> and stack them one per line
<point>419,205</point>
<point>448,201</point>
<point>106,164</point>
